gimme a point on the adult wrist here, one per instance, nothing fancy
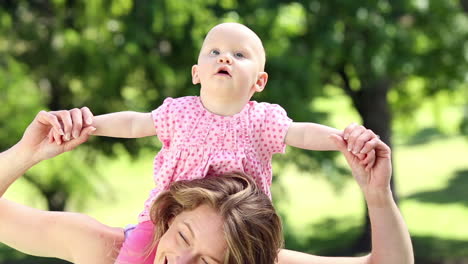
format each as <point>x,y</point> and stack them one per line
<point>24,155</point>
<point>378,197</point>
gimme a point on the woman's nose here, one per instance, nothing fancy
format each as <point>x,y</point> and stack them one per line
<point>186,257</point>
<point>225,59</point>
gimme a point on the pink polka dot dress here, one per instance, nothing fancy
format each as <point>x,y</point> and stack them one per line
<point>198,143</point>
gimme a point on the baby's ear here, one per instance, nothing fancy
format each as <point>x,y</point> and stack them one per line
<point>195,78</point>
<point>262,80</point>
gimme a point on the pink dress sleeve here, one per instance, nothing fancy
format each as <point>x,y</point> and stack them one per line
<point>163,121</point>
<point>276,126</point>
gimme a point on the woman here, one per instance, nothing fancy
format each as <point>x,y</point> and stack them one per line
<point>199,234</point>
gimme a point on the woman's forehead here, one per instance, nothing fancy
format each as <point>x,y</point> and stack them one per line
<point>206,226</point>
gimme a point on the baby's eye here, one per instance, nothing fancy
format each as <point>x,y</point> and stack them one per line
<point>214,52</point>
<point>239,55</point>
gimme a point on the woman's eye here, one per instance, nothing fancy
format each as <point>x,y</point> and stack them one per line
<point>214,52</point>
<point>183,238</point>
<point>239,55</point>
<point>204,261</point>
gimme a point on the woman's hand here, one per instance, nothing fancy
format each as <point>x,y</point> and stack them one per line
<point>37,140</point>
<point>378,177</point>
<point>356,138</point>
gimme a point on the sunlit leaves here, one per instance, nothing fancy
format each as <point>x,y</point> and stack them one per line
<point>20,100</point>
<point>291,19</point>
<point>129,55</point>
<point>121,7</point>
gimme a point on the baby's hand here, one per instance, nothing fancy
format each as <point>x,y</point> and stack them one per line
<point>72,123</point>
<point>361,142</point>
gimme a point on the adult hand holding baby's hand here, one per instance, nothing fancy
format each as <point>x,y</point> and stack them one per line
<point>37,145</point>
<point>72,122</point>
<point>361,142</point>
<point>376,178</point>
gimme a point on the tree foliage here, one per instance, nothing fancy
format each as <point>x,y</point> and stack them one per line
<point>130,55</point>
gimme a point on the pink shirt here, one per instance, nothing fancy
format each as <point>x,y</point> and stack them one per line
<point>197,143</point>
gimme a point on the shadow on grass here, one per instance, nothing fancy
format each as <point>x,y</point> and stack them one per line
<point>454,192</point>
<point>11,256</point>
<point>424,136</point>
<point>435,250</point>
<point>330,237</point>
<point>335,237</point>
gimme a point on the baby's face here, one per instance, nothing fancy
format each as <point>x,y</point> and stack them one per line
<point>231,62</point>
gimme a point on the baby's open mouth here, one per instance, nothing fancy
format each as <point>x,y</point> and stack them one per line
<point>224,72</point>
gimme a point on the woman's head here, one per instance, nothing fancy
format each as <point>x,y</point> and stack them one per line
<point>226,218</point>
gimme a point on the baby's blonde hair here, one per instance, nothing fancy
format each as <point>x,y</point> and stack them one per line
<point>252,227</point>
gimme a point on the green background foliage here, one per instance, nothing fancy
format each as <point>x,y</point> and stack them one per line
<point>399,67</point>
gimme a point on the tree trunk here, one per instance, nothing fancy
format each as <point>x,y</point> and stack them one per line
<point>56,199</point>
<point>464,5</point>
<point>371,103</point>
<point>56,196</point>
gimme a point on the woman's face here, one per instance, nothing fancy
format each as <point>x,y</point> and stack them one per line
<point>195,236</point>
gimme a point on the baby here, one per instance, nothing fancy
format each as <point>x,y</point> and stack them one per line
<point>221,130</point>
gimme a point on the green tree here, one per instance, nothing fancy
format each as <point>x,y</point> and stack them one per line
<point>371,49</point>
<point>120,55</point>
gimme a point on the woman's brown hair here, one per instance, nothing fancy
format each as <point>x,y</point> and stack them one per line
<point>252,228</point>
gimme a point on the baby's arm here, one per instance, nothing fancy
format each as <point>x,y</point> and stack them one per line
<point>124,125</point>
<point>311,136</point>
<point>317,137</point>
<point>120,124</point>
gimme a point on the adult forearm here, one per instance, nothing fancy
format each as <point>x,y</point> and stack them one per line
<point>286,256</point>
<point>14,162</point>
<point>391,242</point>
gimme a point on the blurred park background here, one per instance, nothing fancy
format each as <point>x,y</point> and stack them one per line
<point>400,67</point>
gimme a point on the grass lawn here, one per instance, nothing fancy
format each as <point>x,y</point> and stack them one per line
<point>431,179</point>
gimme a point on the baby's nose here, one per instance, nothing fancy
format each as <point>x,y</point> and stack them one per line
<point>224,59</point>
